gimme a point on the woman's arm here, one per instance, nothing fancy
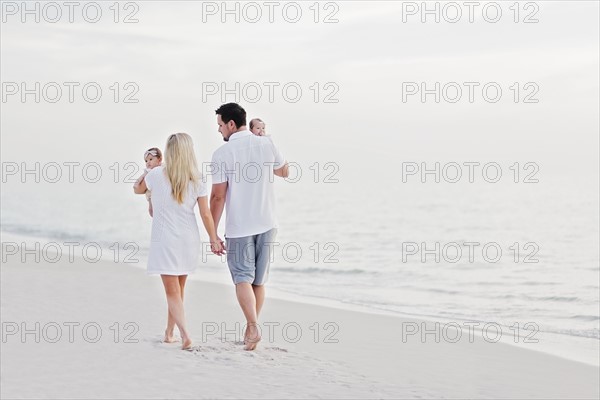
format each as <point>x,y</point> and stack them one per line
<point>207,219</point>
<point>139,187</point>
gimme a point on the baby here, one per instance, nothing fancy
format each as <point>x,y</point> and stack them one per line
<point>153,158</point>
<point>258,127</point>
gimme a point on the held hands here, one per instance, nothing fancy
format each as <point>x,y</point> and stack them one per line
<point>217,246</point>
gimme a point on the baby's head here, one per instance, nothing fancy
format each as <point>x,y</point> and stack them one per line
<point>257,126</point>
<point>153,157</point>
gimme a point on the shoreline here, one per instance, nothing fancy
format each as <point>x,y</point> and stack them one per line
<point>307,350</point>
<point>552,343</point>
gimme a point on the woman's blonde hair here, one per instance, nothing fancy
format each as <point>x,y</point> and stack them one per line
<point>181,166</point>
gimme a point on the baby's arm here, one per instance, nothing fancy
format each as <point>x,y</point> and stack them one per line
<point>139,187</point>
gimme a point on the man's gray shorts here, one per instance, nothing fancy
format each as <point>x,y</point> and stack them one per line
<point>249,257</point>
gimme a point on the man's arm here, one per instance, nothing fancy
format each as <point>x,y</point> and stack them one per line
<point>217,202</point>
<point>282,172</point>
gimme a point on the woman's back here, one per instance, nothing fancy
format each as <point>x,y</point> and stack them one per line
<point>175,236</point>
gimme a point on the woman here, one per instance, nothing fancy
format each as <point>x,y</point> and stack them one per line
<point>175,246</point>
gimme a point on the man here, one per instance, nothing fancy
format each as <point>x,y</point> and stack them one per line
<point>242,175</point>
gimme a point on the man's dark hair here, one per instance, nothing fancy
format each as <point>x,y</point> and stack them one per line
<point>232,111</point>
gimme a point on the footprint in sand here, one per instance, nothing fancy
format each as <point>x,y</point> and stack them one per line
<point>205,349</point>
<point>278,349</point>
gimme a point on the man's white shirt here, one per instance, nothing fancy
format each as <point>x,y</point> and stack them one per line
<point>246,162</point>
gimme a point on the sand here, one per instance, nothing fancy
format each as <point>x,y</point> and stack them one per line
<point>307,351</point>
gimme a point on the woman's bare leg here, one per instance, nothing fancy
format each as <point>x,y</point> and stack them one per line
<point>174,294</point>
<point>170,331</point>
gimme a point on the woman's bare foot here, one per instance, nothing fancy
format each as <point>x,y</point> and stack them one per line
<point>252,337</point>
<point>169,338</point>
<point>187,343</point>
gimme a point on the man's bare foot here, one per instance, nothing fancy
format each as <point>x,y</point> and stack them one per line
<point>169,338</point>
<point>248,331</point>
<point>252,337</point>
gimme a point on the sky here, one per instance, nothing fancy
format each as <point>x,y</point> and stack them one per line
<point>361,64</point>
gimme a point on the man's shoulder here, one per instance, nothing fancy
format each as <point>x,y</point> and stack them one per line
<point>268,139</point>
<point>221,150</point>
<point>241,143</point>
<point>261,141</point>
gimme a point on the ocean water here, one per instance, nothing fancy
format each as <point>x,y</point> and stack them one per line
<point>355,245</point>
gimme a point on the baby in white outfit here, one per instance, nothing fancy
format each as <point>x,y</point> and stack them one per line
<point>258,127</point>
<point>153,158</point>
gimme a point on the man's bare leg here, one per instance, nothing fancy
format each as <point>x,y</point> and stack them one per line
<point>259,294</point>
<point>247,300</point>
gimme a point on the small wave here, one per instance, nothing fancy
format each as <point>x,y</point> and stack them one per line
<point>487,284</point>
<point>505,296</point>
<point>567,299</point>
<point>588,334</point>
<point>586,317</point>
<point>535,283</point>
<point>41,233</point>
<point>436,290</point>
<point>312,270</point>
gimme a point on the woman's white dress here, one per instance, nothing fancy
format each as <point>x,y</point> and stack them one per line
<point>175,244</point>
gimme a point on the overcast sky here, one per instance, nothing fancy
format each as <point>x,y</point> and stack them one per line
<point>171,55</point>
